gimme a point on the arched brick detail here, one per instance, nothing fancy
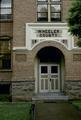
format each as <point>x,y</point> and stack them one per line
<point>55,44</point>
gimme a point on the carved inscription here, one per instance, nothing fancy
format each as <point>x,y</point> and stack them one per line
<point>49,33</point>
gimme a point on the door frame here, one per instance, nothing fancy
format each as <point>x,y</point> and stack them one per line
<point>49,74</point>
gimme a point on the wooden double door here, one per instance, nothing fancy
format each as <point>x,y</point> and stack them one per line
<point>49,78</point>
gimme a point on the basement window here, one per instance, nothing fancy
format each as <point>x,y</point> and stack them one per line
<point>4,88</point>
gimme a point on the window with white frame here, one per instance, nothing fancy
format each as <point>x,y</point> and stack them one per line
<point>48,10</point>
<point>5,10</point>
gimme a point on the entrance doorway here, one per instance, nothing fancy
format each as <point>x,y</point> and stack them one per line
<point>49,75</point>
<point>49,70</point>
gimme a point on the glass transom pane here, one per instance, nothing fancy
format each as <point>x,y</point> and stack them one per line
<point>6,3</point>
<point>55,0</point>
<point>6,11</point>
<point>42,17</point>
<point>55,17</point>
<point>42,8</point>
<point>55,8</point>
<point>42,0</point>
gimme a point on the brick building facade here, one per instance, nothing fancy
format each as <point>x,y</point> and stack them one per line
<point>37,53</point>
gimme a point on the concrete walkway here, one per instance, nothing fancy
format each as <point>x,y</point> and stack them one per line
<point>56,111</point>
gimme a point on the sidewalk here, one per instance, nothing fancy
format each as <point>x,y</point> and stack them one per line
<point>56,111</point>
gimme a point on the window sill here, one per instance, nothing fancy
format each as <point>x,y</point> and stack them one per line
<point>2,21</point>
<point>6,70</point>
<point>48,22</point>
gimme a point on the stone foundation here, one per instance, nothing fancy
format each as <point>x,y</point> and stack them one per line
<point>73,89</point>
<point>22,90</point>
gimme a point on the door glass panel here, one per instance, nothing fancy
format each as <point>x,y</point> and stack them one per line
<point>54,69</point>
<point>44,69</point>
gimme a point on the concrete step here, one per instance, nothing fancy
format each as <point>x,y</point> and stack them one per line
<point>50,96</point>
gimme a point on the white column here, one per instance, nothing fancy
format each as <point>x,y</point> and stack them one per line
<point>49,15</point>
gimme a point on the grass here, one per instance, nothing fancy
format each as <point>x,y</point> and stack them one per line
<point>14,111</point>
<point>77,103</point>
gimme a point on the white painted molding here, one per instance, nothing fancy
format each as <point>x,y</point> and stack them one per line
<point>19,48</point>
<point>33,36</point>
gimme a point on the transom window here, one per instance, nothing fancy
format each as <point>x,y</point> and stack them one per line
<point>49,10</point>
<point>6,10</point>
<point>5,52</point>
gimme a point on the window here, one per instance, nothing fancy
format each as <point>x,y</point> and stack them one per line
<point>5,52</point>
<point>49,10</point>
<point>55,12</point>
<point>6,10</point>
<point>42,12</point>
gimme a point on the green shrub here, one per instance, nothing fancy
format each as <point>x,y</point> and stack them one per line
<point>77,104</point>
<point>5,98</point>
